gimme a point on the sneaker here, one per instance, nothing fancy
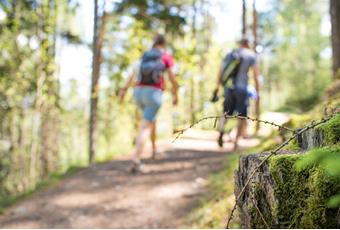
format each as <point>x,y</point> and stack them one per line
<point>136,167</point>
<point>154,154</point>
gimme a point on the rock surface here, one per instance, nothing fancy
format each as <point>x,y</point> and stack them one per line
<point>310,139</point>
<point>259,194</point>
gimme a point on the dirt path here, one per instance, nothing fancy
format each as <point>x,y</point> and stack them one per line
<point>108,196</point>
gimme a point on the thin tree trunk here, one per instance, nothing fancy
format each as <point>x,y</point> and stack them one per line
<point>49,90</point>
<point>244,18</point>
<point>335,21</point>
<point>203,56</point>
<point>257,102</point>
<point>254,25</point>
<point>98,35</point>
<point>192,82</point>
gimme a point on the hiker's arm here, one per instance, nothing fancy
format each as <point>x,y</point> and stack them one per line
<point>128,84</point>
<point>256,73</point>
<point>174,85</point>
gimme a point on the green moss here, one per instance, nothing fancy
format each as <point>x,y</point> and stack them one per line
<point>331,130</point>
<point>293,145</point>
<point>302,194</point>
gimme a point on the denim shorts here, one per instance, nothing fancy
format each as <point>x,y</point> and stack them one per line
<point>149,100</point>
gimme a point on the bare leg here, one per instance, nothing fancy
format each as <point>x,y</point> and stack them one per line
<point>153,139</point>
<point>143,134</point>
<point>240,125</point>
<point>223,121</point>
<point>136,124</point>
<point>222,124</point>
<point>244,130</point>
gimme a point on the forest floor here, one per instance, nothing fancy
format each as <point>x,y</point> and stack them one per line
<point>107,195</point>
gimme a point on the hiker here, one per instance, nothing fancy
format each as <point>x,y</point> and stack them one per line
<point>233,76</point>
<point>147,76</point>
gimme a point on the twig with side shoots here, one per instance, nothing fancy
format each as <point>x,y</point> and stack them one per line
<point>181,132</point>
<point>312,125</point>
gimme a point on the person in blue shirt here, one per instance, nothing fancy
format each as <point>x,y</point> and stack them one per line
<point>236,94</point>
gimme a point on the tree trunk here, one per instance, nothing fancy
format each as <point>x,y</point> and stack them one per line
<point>257,102</point>
<point>244,18</point>
<point>48,90</point>
<point>335,21</point>
<point>254,25</point>
<point>98,35</point>
<point>204,53</point>
<point>192,82</point>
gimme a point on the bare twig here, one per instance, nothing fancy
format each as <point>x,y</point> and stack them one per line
<point>312,125</point>
<point>260,213</point>
<point>179,133</point>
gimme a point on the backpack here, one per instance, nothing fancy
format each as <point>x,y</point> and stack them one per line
<point>231,66</point>
<point>151,67</point>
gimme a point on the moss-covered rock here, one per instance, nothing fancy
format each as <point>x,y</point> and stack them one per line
<point>331,131</point>
<point>302,194</point>
<point>296,190</point>
<point>282,196</point>
<point>324,135</point>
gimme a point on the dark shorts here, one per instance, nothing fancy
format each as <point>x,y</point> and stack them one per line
<point>235,100</point>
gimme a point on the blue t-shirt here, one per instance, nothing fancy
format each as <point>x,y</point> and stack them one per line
<point>248,60</point>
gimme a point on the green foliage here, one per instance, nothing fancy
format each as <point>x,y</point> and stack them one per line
<point>29,93</point>
<point>296,73</point>
<point>155,13</point>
